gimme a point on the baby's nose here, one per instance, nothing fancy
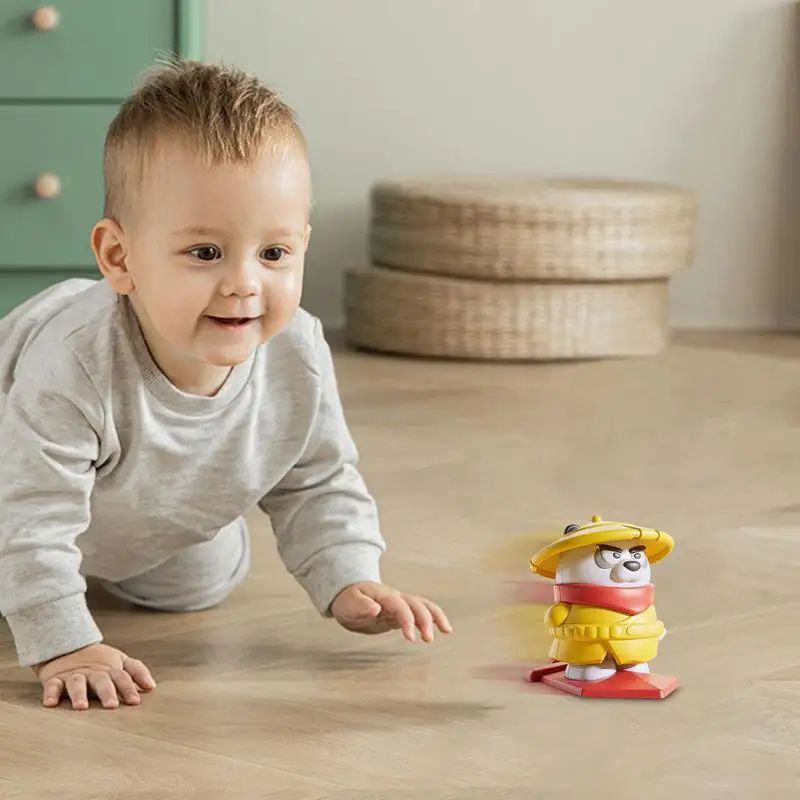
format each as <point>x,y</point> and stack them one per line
<point>633,566</point>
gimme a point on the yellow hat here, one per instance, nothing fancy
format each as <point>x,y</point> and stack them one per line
<point>657,544</point>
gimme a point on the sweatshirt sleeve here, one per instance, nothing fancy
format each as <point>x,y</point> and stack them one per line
<point>49,437</point>
<point>325,520</point>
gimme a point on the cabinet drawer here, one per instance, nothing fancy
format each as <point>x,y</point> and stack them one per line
<point>63,141</point>
<point>17,285</point>
<point>94,51</point>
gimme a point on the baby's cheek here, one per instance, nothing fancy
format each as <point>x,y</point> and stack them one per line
<point>290,286</point>
<point>284,296</point>
<point>178,316</point>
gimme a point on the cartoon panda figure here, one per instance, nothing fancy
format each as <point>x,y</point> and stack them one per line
<point>603,619</point>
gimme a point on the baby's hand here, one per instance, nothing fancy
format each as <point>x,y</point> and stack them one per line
<point>376,608</point>
<point>108,672</point>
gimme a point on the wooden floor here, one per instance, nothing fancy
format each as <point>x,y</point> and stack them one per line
<point>262,699</point>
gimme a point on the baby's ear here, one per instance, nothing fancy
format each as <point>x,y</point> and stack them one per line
<point>108,245</point>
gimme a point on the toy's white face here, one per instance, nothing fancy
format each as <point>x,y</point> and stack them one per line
<point>612,564</point>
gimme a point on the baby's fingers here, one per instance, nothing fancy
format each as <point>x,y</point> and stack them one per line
<point>422,617</point>
<point>77,690</point>
<point>396,607</point>
<point>126,687</point>
<point>439,617</point>
<point>139,672</point>
<point>53,690</point>
<point>102,685</point>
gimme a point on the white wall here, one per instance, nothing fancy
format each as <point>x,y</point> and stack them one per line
<point>701,92</point>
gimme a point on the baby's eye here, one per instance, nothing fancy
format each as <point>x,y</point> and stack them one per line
<point>208,252</point>
<point>273,254</point>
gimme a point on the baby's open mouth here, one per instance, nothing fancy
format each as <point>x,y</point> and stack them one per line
<point>233,322</point>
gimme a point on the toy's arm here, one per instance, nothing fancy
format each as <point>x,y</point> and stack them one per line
<point>556,614</point>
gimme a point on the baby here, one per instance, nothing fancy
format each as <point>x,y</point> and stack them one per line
<point>141,415</point>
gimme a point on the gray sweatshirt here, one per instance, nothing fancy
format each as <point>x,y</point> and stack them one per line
<point>107,470</point>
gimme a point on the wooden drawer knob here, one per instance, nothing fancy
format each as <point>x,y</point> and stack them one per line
<point>47,186</point>
<point>46,18</point>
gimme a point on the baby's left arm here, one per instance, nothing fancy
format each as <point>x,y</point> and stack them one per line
<point>324,518</point>
<point>327,528</point>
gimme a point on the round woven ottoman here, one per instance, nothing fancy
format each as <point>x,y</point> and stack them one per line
<point>392,311</point>
<point>564,229</point>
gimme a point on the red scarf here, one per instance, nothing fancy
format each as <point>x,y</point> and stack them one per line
<point>627,600</point>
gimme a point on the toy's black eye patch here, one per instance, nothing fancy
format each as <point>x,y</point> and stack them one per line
<point>571,529</point>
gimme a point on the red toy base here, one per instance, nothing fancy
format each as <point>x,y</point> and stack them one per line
<point>625,684</point>
<point>539,673</point>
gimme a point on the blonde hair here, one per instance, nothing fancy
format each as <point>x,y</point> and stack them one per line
<point>224,114</point>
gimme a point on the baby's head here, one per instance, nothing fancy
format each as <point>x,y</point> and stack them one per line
<point>206,220</point>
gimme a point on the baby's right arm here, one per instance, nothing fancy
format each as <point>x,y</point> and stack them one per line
<point>50,437</point>
<point>50,440</point>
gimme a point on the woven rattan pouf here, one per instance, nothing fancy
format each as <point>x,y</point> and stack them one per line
<point>519,269</point>
<point>427,315</point>
<point>533,229</point>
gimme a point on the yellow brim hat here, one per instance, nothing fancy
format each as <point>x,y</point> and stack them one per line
<point>657,544</point>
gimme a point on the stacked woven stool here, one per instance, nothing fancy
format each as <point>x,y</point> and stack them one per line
<point>520,268</point>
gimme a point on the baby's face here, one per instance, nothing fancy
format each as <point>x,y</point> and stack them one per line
<point>215,258</point>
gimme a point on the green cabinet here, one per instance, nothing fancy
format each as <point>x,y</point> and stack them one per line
<point>62,145</point>
<point>64,70</point>
<point>82,49</point>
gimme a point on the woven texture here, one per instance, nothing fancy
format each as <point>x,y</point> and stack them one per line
<point>533,229</point>
<point>423,315</point>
